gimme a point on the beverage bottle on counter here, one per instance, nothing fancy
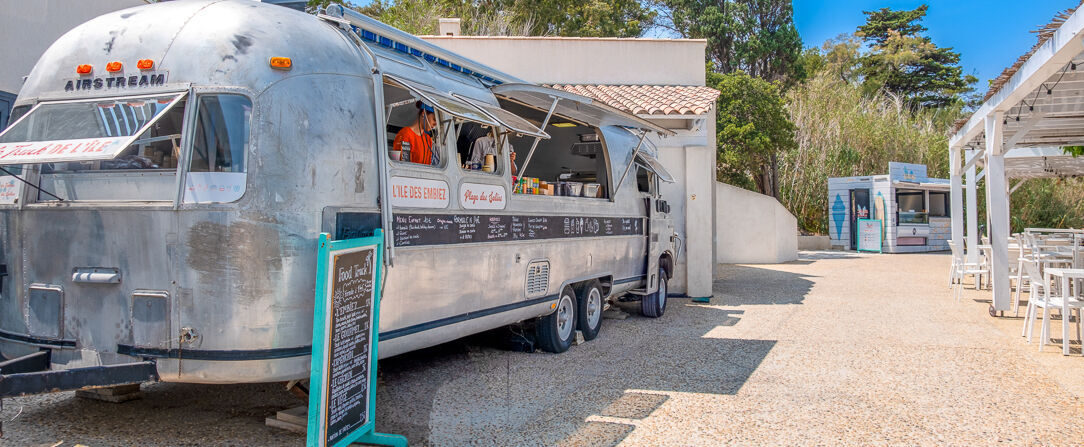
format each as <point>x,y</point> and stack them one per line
<point>406,151</point>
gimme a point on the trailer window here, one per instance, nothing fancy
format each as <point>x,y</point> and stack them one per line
<point>643,179</point>
<point>221,135</point>
<point>573,160</point>
<point>157,148</point>
<point>145,169</point>
<point>17,113</point>
<point>475,141</point>
<point>403,110</point>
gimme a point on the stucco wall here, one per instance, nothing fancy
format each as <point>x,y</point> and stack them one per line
<point>27,28</point>
<point>586,60</point>
<point>752,228</point>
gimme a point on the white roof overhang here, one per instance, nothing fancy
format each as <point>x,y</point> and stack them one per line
<point>1040,162</point>
<point>1042,104</point>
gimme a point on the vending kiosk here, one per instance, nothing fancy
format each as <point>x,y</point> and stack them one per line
<point>911,209</point>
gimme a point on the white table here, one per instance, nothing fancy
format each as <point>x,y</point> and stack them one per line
<point>1065,275</point>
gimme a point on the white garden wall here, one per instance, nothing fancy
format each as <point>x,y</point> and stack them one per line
<point>752,228</point>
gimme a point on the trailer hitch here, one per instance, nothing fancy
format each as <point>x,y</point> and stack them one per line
<point>51,381</point>
<point>30,374</point>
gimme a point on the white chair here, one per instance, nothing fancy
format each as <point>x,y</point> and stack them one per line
<point>962,268</point>
<point>1039,296</point>
<point>1023,253</point>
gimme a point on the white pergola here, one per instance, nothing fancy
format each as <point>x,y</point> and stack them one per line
<point>1018,133</point>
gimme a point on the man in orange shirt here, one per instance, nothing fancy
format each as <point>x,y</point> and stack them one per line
<point>417,137</point>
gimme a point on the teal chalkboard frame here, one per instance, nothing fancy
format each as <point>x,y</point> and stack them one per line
<point>364,434</point>
<point>880,236</point>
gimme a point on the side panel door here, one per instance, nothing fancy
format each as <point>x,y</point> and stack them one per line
<point>660,227</point>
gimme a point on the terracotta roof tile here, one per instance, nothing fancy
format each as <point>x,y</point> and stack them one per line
<point>649,99</point>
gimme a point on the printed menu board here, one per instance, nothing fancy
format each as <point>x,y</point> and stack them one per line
<point>869,235</point>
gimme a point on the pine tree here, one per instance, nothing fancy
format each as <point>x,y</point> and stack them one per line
<point>905,62</point>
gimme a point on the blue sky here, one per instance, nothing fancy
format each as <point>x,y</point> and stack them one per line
<point>988,34</point>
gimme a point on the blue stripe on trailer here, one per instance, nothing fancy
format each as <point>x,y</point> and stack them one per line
<point>463,317</point>
<point>62,343</point>
<point>215,354</point>
<point>628,280</point>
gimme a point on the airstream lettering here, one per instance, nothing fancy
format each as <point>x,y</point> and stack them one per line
<point>191,207</point>
<point>144,80</point>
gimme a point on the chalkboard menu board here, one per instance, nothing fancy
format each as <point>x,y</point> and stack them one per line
<point>344,349</point>
<point>351,301</point>
<point>441,229</point>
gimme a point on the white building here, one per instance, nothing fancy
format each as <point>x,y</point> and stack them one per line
<point>28,27</point>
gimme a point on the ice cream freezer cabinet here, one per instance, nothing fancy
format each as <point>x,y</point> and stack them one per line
<point>913,209</point>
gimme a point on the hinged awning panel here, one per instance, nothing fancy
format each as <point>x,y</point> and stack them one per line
<point>99,129</point>
<point>653,164</point>
<point>446,103</point>
<point>509,120</point>
<point>577,107</point>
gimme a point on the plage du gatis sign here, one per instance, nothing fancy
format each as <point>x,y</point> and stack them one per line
<point>116,82</point>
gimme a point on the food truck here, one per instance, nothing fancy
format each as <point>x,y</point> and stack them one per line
<point>911,209</point>
<point>169,168</point>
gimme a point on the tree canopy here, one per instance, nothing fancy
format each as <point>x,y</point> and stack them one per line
<point>574,18</point>
<point>753,130</point>
<point>905,62</point>
<point>754,36</point>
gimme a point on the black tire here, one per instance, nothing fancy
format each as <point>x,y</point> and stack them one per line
<point>654,305</point>
<point>589,309</point>
<point>555,332</point>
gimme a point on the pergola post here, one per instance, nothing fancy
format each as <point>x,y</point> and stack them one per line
<point>997,208</point>
<point>972,196</point>
<point>956,195</point>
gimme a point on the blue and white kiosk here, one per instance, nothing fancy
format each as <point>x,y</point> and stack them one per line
<point>911,209</point>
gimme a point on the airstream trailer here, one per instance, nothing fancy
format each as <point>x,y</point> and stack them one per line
<point>170,167</point>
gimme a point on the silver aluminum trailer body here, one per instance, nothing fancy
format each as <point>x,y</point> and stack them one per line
<point>217,287</point>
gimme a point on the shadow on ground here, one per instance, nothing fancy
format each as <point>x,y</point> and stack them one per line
<point>741,285</point>
<point>168,414</point>
<point>462,392</point>
<point>458,393</point>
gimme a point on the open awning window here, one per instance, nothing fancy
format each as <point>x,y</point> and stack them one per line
<point>445,103</point>
<point>81,130</point>
<point>652,164</point>
<point>577,107</point>
<point>509,120</point>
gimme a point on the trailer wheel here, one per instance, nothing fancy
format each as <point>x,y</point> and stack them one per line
<point>555,331</point>
<point>654,305</point>
<point>589,310</point>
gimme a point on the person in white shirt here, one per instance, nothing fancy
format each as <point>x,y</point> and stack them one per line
<point>487,145</point>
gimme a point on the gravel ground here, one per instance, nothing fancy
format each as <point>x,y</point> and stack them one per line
<point>834,349</point>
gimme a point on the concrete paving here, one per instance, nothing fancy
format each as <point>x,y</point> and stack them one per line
<point>834,349</point>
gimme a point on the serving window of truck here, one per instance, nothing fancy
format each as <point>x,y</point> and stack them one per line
<point>133,148</point>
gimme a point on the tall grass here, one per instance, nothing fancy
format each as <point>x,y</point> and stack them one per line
<point>842,132</point>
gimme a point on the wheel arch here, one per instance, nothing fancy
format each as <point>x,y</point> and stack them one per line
<point>666,261</point>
